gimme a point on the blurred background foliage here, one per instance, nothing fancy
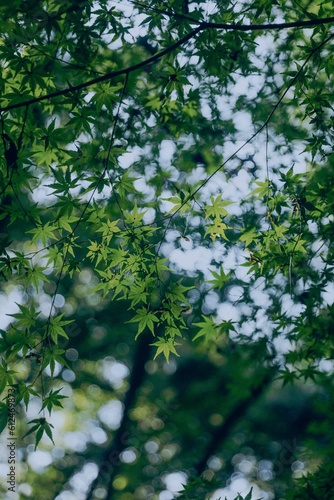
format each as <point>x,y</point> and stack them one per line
<point>166,233</point>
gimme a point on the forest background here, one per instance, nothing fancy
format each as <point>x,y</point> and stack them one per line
<point>166,220</point>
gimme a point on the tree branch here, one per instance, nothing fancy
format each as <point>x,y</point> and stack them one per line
<point>107,76</point>
<point>222,432</point>
<point>268,27</point>
<point>168,50</point>
<point>111,455</point>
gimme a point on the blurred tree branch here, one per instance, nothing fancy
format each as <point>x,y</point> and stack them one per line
<point>118,443</point>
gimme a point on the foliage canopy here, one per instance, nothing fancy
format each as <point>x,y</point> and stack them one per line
<point>167,205</point>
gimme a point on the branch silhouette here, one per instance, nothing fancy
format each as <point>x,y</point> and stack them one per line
<point>223,431</point>
<point>202,27</point>
<point>112,453</point>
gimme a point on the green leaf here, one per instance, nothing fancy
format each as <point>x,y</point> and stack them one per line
<point>108,229</point>
<point>53,399</point>
<point>165,347</point>
<point>27,316</point>
<point>105,95</point>
<point>43,233</point>
<point>134,217</point>
<point>181,203</point>
<point>288,376</point>
<point>207,329</point>
<point>24,392</point>
<point>41,426</point>
<point>217,207</point>
<point>249,236</point>
<point>217,228</point>
<point>50,356</point>
<point>35,275</point>
<point>145,319</point>
<point>249,495</point>
<point>126,184</point>
<point>262,189</point>
<point>219,279</point>
<point>55,327</point>
<point>6,375</point>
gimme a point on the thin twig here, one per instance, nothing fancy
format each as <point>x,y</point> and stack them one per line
<point>259,130</point>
